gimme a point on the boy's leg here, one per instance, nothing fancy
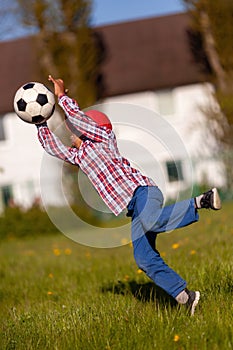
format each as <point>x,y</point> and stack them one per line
<point>149,260</point>
<point>145,253</point>
<point>148,208</point>
<point>175,216</point>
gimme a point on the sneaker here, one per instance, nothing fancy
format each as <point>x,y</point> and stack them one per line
<point>192,300</point>
<point>211,200</point>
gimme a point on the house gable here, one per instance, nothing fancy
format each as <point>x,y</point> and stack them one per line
<point>148,54</point>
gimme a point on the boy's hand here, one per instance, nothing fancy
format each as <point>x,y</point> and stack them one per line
<point>59,87</point>
<point>76,141</point>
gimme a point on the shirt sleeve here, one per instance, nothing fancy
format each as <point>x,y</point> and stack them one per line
<point>53,145</point>
<point>84,125</point>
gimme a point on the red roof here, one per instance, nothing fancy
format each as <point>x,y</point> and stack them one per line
<point>16,68</point>
<point>148,54</point>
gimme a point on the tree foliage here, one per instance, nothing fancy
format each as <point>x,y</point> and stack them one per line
<point>67,45</point>
<point>68,48</point>
<point>212,21</point>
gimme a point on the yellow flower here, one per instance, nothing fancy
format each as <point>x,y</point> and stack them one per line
<point>50,275</point>
<point>50,293</point>
<point>176,337</point>
<point>192,252</point>
<point>139,271</point>
<point>175,245</point>
<point>126,278</point>
<point>68,251</point>
<point>56,251</point>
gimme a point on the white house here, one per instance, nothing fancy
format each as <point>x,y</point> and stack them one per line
<point>154,93</point>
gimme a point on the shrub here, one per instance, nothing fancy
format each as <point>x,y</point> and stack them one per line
<point>16,222</point>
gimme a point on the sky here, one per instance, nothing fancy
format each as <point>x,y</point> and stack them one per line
<point>115,11</point>
<point>104,12</point>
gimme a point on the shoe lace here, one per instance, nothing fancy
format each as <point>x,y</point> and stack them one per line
<point>206,200</point>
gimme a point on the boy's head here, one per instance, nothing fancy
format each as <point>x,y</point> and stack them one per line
<point>100,118</point>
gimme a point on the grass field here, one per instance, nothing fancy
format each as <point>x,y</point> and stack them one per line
<point>56,294</point>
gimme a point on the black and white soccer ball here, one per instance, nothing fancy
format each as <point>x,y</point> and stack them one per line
<point>34,103</point>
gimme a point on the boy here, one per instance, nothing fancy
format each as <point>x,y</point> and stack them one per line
<point>121,186</point>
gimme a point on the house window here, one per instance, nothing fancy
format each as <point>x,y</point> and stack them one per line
<point>166,104</point>
<point>2,131</point>
<point>174,171</point>
<point>7,195</point>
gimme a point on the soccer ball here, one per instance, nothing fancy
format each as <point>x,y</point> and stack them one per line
<point>34,103</point>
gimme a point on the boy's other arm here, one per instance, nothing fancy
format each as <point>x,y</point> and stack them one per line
<point>53,145</point>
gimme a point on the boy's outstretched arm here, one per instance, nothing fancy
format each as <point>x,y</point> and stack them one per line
<point>59,87</point>
<point>76,117</point>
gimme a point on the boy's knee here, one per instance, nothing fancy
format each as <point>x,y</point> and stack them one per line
<point>147,225</point>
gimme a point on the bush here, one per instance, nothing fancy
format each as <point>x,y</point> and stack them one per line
<point>16,222</point>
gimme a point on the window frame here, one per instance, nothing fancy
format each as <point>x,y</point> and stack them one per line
<point>175,171</point>
<point>2,128</point>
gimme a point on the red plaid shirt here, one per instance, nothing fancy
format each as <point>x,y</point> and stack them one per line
<point>98,157</point>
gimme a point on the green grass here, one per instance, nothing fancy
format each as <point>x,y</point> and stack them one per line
<point>56,294</point>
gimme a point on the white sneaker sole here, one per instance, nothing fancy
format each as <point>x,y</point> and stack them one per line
<point>216,200</point>
<point>195,302</point>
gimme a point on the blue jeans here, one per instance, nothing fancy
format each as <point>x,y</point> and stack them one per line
<point>148,219</point>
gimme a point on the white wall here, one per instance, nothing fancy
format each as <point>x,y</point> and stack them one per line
<point>20,159</point>
<point>189,124</point>
<point>146,139</point>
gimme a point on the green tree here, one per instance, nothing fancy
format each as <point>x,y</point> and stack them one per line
<point>212,23</point>
<point>67,46</point>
